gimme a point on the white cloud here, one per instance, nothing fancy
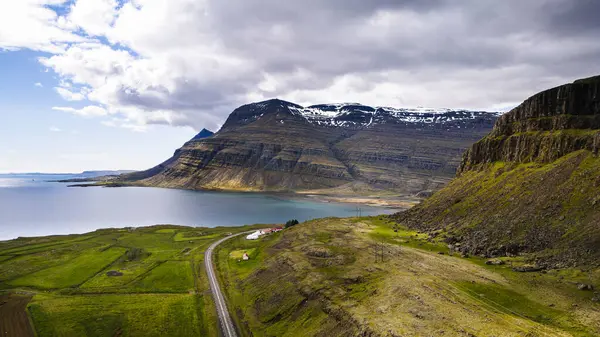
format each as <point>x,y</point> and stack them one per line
<point>38,84</point>
<point>88,111</point>
<point>70,95</point>
<point>31,24</point>
<point>90,64</point>
<point>190,62</point>
<point>55,129</point>
<point>95,17</point>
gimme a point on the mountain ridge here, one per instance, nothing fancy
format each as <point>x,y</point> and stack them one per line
<point>276,145</point>
<point>530,186</point>
<point>352,114</point>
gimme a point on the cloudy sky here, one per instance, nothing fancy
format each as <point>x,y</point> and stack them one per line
<point>119,84</point>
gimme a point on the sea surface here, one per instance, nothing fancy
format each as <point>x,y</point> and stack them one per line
<point>31,205</point>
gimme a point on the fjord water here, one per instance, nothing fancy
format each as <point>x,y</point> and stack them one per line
<point>30,205</point>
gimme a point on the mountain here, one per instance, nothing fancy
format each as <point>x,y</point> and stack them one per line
<point>530,186</point>
<point>281,146</point>
<point>203,134</point>
<point>86,174</point>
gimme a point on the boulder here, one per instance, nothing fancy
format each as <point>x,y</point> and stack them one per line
<point>114,273</point>
<point>583,286</point>
<point>494,262</point>
<point>527,269</point>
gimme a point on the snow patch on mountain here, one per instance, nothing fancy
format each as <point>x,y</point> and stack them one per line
<point>354,114</point>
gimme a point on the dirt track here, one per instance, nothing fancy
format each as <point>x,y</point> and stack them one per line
<point>13,317</point>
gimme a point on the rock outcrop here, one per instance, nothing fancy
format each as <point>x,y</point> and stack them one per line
<point>530,186</point>
<point>544,128</point>
<point>281,146</point>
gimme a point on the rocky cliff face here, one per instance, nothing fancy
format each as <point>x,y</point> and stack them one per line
<point>278,145</point>
<point>531,185</point>
<point>544,128</point>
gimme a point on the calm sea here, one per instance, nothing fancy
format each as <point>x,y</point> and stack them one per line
<point>32,206</point>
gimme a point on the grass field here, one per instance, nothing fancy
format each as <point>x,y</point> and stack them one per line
<point>72,273</point>
<point>110,315</point>
<point>325,277</point>
<point>170,277</point>
<point>362,276</point>
<point>60,283</point>
<point>194,236</point>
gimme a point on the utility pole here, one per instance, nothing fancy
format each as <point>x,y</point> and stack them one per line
<point>375,252</point>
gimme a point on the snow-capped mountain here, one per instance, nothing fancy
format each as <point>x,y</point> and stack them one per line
<point>355,114</point>
<point>278,145</point>
<point>358,116</point>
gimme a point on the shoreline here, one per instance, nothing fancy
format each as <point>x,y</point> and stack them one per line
<point>397,202</point>
<point>370,205</point>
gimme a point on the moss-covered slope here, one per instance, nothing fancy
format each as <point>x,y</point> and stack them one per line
<point>531,185</point>
<point>359,277</point>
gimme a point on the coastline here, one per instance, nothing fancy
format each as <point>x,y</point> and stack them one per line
<point>399,203</point>
<point>282,206</point>
<point>382,199</point>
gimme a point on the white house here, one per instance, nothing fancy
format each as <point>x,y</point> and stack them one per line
<point>255,235</point>
<point>264,231</point>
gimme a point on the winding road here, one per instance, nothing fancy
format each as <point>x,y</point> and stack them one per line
<point>227,325</point>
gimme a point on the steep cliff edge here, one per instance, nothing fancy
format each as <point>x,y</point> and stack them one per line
<point>544,128</point>
<point>281,146</point>
<point>532,185</point>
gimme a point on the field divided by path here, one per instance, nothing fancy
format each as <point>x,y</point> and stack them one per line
<point>160,289</point>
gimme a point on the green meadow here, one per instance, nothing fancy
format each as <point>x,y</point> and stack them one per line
<point>370,276</point>
<point>327,277</point>
<point>157,285</point>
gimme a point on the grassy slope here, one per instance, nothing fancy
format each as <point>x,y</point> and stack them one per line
<point>321,278</point>
<point>73,273</point>
<point>552,209</point>
<point>109,315</point>
<point>163,290</point>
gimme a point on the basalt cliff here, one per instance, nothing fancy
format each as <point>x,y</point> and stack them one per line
<point>531,186</point>
<point>281,146</point>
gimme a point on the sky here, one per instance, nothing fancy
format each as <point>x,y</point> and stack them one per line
<point>120,84</point>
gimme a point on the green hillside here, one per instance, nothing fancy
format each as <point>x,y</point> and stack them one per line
<point>530,187</point>
<point>360,277</point>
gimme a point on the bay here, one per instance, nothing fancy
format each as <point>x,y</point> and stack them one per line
<point>30,205</point>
